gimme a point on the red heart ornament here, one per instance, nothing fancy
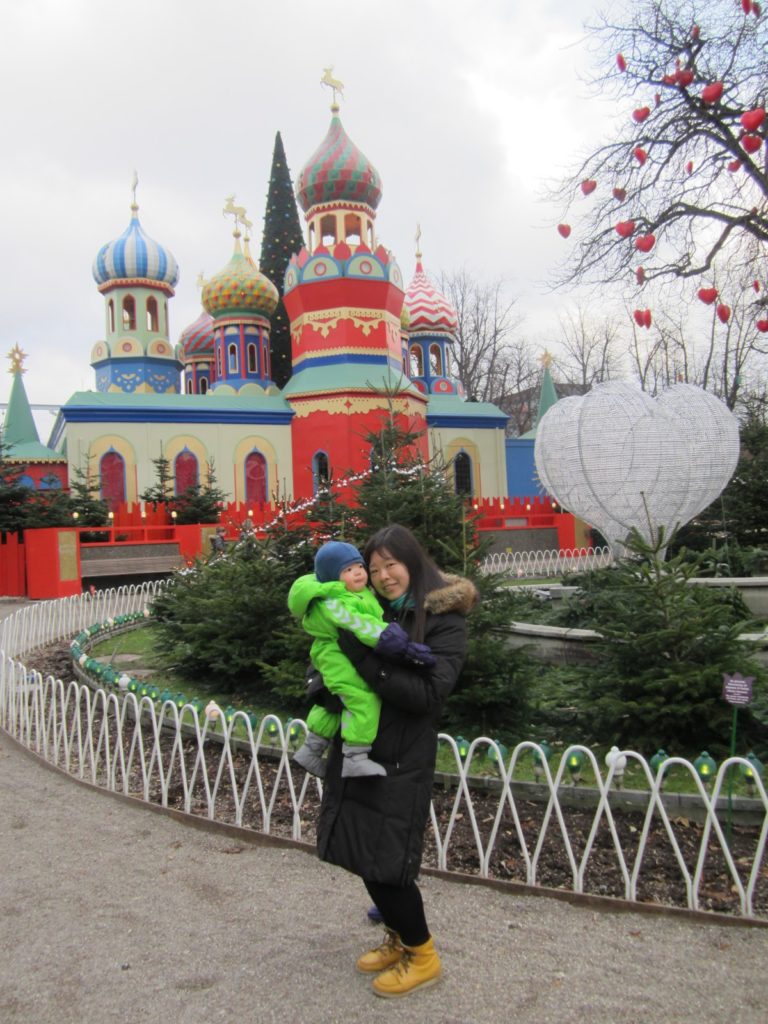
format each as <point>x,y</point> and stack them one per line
<point>588,186</point>
<point>645,243</point>
<point>734,165</point>
<point>564,229</point>
<point>669,79</point>
<point>689,167</point>
<point>640,155</point>
<point>751,143</point>
<point>621,64</point>
<point>707,295</point>
<point>762,326</point>
<point>684,77</point>
<point>639,317</point>
<point>712,93</point>
<point>625,228</point>
<point>640,114</point>
<point>695,32</point>
<point>756,9</point>
<point>723,314</point>
<point>647,318</point>
<point>752,119</point>
<point>756,285</point>
<point>620,194</point>
<point>640,275</point>
<point>746,6</point>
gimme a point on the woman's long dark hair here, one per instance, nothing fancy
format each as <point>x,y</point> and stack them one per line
<point>399,543</point>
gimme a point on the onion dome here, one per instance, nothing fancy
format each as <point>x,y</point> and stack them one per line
<point>405,319</point>
<point>240,288</point>
<point>430,311</point>
<point>198,338</point>
<point>338,172</point>
<point>135,255</point>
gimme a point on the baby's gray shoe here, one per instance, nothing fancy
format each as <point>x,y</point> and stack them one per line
<point>357,764</point>
<point>310,755</point>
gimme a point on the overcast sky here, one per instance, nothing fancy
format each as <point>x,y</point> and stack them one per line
<point>466,110</point>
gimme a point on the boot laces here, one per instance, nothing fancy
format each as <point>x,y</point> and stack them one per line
<point>404,963</point>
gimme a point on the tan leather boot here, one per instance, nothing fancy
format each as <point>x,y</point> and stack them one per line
<point>383,956</point>
<point>419,967</point>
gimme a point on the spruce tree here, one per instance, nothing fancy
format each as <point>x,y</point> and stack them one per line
<point>282,238</point>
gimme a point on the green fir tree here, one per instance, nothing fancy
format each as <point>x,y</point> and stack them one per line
<point>200,503</point>
<point>282,239</point>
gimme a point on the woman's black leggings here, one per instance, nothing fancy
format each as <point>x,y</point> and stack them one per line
<point>402,909</point>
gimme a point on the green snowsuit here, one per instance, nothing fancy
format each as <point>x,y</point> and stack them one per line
<point>324,608</point>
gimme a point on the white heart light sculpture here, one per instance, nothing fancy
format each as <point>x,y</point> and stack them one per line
<point>619,459</point>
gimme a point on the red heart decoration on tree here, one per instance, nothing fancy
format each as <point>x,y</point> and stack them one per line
<point>621,64</point>
<point>762,326</point>
<point>620,194</point>
<point>669,79</point>
<point>647,318</point>
<point>756,9</point>
<point>588,186</point>
<point>645,243</point>
<point>640,275</point>
<point>707,295</point>
<point>689,167</point>
<point>751,143</point>
<point>695,32</point>
<point>684,77</point>
<point>639,317</point>
<point>564,229</point>
<point>734,165</point>
<point>625,228</point>
<point>723,314</point>
<point>640,114</point>
<point>712,93</point>
<point>640,155</point>
<point>752,119</point>
<point>746,6</point>
<point>756,285</point>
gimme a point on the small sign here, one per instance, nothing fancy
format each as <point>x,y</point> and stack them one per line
<point>737,689</point>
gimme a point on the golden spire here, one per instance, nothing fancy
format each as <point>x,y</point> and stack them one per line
<point>418,241</point>
<point>546,360</point>
<point>200,283</point>
<point>134,186</point>
<point>335,84</point>
<point>17,357</point>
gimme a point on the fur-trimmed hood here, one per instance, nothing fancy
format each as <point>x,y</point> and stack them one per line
<point>458,595</point>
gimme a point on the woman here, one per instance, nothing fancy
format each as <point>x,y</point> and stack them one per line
<point>374,827</point>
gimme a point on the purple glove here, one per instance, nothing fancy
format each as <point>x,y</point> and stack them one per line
<point>393,642</point>
<point>420,654</point>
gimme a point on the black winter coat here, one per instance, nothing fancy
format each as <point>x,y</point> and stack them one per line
<point>375,826</point>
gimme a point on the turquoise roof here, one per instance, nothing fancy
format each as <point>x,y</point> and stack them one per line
<point>451,410</point>
<point>212,402</point>
<point>346,376</point>
<point>19,430</point>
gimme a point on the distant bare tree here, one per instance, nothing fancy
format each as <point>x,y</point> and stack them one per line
<point>491,361</point>
<point>591,348</point>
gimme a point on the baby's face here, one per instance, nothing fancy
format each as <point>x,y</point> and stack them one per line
<point>354,577</point>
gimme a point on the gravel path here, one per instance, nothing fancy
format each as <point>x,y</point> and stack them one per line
<point>113,913</point>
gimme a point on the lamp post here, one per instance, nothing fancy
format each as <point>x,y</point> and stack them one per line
<point>752,772</point>
<point>574,763</point>
<point>618,761</point>
<point>706,767</point>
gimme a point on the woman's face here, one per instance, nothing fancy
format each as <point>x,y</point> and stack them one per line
<point>389,577</point>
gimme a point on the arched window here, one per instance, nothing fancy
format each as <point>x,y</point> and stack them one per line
<point>50,482</point>
<point>129,313</point>
<point>203,385</point>
<point>26,481</point>
<point>352,233</point>
<point>111,315</point>
<point>435,361</point>
<point>320,470</point>
<point>232,358</point>
<point>462,474</point>
<point>252,364</point>
<point>189,384</point>
<point>112,478</point>
<point>185,471</point>
<point>417,361</point>
<point>152,313</point>
<point>266,361</point>
<point>255,477</point>
<point>328,229</point>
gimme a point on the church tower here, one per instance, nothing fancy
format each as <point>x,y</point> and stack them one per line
<point>136,276</point>
<point>344,297</point>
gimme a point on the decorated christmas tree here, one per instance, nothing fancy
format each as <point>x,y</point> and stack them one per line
<point>281,239</point>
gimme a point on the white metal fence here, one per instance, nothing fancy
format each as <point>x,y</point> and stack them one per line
<point>220,767</point>
<point>527,564</point>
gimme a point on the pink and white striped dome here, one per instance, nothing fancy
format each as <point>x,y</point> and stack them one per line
<point>429,310</point>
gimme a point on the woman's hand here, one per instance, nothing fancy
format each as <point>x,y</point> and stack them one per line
<point>395,644</point>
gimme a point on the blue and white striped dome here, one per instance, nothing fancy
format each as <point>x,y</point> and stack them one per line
<point>135,254</point>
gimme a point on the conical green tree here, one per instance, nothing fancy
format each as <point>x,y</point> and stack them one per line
<point>282,238</point>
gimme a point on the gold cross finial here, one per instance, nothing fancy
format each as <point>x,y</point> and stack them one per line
<point>546,360</point>
<point>17,357</point>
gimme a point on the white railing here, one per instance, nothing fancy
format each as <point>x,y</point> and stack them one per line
<point>532,564</point>
<point>164,754</point>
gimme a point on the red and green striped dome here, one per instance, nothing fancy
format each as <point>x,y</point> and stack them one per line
<point>338,172</point>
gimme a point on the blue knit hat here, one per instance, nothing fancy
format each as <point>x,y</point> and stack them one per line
<point>332,558</point>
